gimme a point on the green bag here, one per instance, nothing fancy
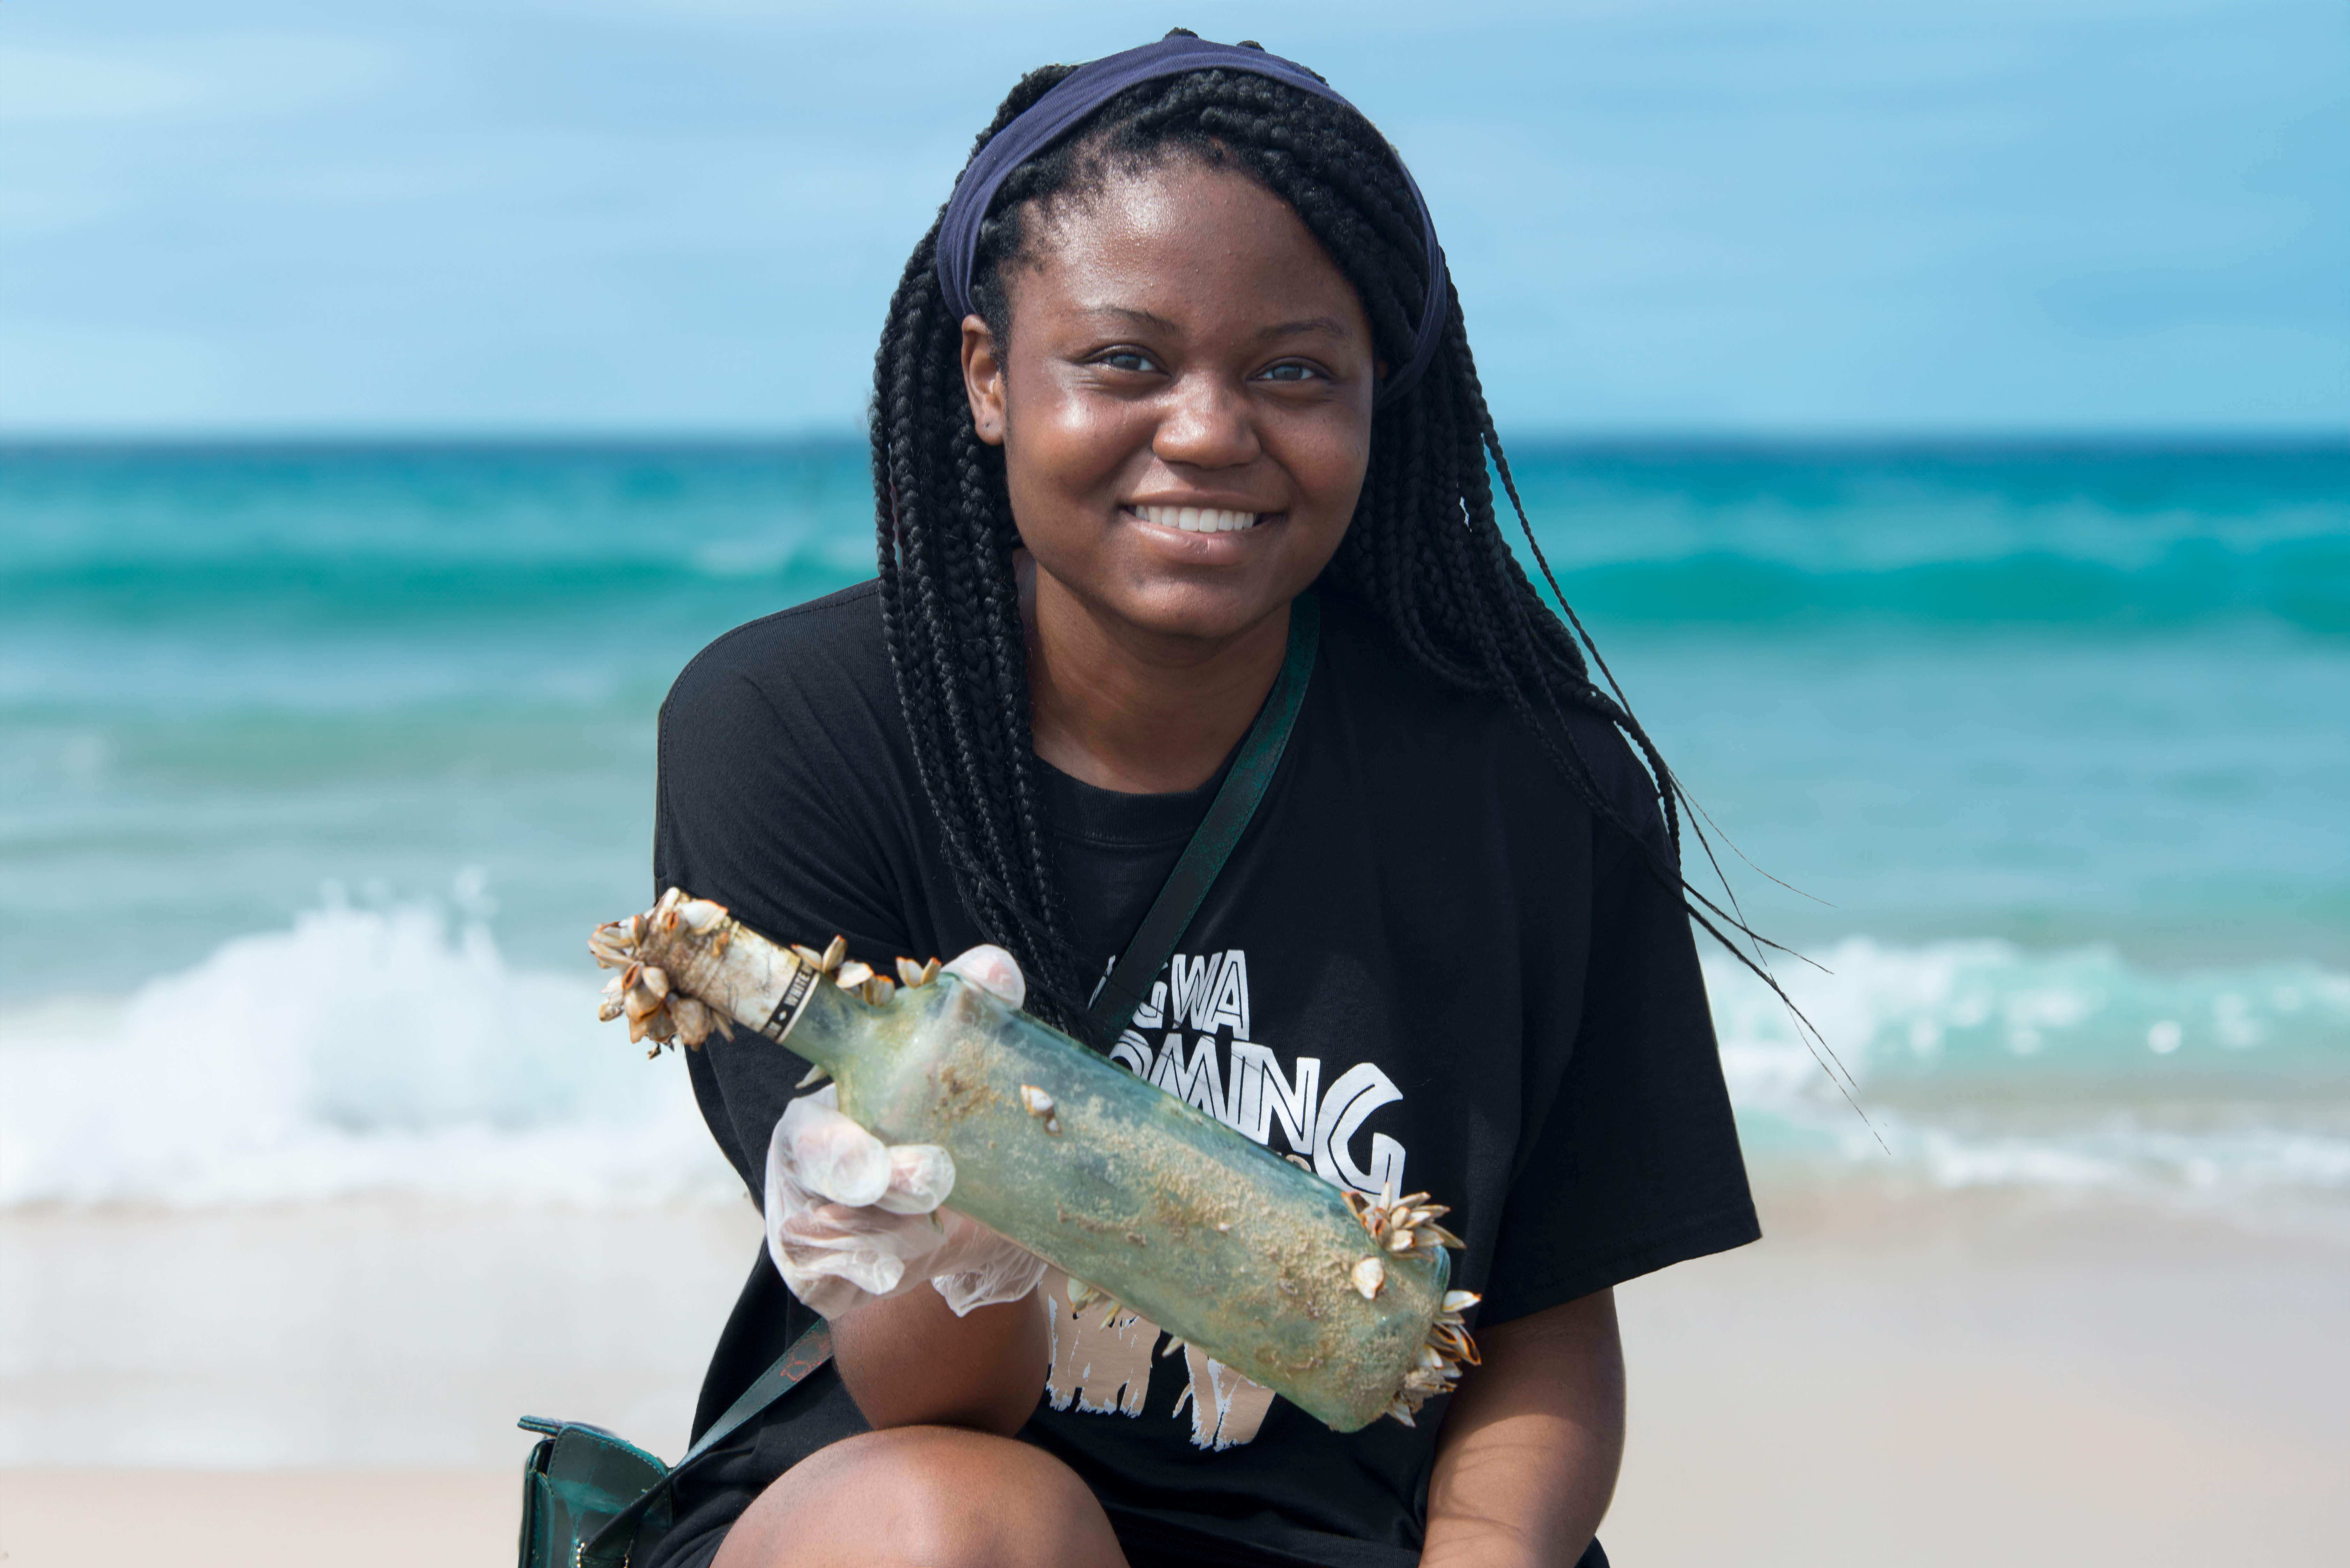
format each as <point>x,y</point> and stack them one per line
<point>587,1496</point>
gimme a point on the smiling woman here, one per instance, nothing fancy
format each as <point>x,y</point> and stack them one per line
<point>1181,356</point>
<point>1193,381</point>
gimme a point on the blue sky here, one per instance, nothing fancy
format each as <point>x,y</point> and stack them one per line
<point>685,215</point>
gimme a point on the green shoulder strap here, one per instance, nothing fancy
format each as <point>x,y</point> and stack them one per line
<point>612,1544</point>
<point>811,1350</point>
<point>1212,843</point>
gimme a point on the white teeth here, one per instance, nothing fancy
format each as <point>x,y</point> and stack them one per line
<point>1199,519</point>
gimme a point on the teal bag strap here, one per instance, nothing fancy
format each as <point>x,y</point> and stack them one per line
<point>611,1544</point>
<point>808,1351</point>
<point>1219,832</point>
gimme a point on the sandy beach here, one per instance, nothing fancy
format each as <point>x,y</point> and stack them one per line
<point>1965,1380</point>
<point>1923,1380</point>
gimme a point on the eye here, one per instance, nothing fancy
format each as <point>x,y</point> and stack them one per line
<point>1133,360</point>
<point>1291,371</point>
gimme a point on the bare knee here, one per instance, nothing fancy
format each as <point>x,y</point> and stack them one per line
<point>924,1497</point>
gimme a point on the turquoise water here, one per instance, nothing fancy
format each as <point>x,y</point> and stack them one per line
<point>294,742</point>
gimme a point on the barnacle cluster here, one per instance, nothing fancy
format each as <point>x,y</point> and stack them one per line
<point>1440,1356</point>
<point>1083,1295</point>
<point>854,975</point>
<point>1404,1224</point>
<point>641,993</point>
<point>857,978</point>
<point>1398,1227</point>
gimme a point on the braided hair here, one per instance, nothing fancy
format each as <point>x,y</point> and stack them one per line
<point>1424,550</point>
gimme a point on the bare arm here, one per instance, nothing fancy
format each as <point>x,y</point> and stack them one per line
<point>909,1361</point>
<point>1527,1460</point>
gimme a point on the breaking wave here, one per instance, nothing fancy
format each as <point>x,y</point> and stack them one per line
<point>365,1051</point>
<point>393,1051</point>
<point>1983,1064</point>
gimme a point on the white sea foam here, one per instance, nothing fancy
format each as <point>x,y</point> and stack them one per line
<point>392,1051</point>
<point>380,1051</point>
<point>1982,1064</point>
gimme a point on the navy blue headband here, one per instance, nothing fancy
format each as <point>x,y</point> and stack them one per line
<point>1089,87</point>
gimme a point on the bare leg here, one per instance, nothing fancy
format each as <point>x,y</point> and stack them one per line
<point>924,1497</point>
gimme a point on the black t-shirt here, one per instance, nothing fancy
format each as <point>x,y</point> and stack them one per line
<point>1426,962</point>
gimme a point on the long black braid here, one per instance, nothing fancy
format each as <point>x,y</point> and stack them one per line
<point>1424,549</point>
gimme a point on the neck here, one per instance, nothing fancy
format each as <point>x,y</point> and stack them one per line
<point>1143,712</point>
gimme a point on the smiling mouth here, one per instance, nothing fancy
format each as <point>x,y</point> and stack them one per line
<point>1198,519</point>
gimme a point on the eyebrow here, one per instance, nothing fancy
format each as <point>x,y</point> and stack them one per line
<point>1139,317</point>
<point>1328,325</point>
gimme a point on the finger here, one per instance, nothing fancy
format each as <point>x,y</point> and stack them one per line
<point>881,1255</point>
<point>875,1273</point>
<point>978,1267</point>
<point>785,1196</point>
<point>825,1267</point>
<point>828,1154</point>
<point>991,969</point>
<point>830,1290</point>
<point>968,1244</point>
<point>1006,1279</point>
<point>837,1230</point>
<point>922,1175</point>
<point>801,1257</point>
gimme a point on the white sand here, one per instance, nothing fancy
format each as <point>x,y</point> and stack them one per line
<point>266,1519</point>
<point>1916,1382</point>
<point>353,1337</point>
<point>1975,1382</point>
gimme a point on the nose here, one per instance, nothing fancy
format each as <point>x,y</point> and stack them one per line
<point>1206,423</point>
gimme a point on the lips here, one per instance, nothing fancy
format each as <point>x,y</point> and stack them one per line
<point>1199,519</point>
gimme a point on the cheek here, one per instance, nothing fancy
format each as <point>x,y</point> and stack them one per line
<point>1067,447</point>
<point>1333,463</point>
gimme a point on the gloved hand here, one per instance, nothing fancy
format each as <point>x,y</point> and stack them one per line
<point>851,1219</point>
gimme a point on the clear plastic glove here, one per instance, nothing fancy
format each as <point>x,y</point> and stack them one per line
<point>851,1219</point>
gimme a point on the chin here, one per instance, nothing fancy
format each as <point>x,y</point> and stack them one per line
<point>1199,611</point>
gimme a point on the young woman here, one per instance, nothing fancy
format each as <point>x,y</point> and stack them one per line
<point>1182,350</point>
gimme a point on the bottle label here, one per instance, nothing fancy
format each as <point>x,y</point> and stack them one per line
<point>794,1000</point>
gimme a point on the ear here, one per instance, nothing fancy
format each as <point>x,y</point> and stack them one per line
<point>982,380</point>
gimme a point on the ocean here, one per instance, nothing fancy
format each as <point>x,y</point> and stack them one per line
<point>317,762</point>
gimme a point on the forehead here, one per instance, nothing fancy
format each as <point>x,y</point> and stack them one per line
<point>1183,241</point>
